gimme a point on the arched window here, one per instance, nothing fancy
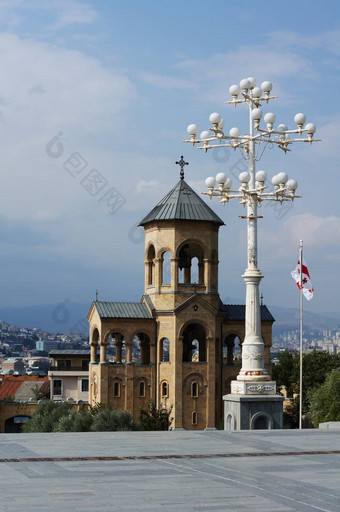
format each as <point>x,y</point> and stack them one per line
<point>166,268</point>
<point>194,389</point>
<point>116,346</point>
<point>232,349</point>
<point>194,270</point>
<point>194,344</point>
<point>141,349</point>
<point>142,388</point>
<point>194,418</point>
<point>116,389</point>
<point>165,390</point>
<point>151,266</point>
<point>190,264</point>
<point>164,350</point>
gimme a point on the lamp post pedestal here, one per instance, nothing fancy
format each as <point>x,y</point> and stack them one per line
<point>253,411</point>
<point>253,402</point>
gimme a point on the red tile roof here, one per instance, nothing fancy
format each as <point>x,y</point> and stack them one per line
<point>11,384</point>
<point>8,389</point>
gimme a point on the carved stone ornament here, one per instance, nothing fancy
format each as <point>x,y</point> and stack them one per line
<point>252,355</point>
<point>261,388</point>
<point>236,387</point>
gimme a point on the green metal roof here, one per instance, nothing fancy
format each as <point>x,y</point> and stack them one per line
<point>122,309</point>
<point>182,203</point>
<point>238,312</point>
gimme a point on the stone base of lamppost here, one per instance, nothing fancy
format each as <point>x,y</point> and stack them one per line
<point>253,406</point>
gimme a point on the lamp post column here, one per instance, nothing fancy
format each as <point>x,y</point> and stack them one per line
<point>253,346</point>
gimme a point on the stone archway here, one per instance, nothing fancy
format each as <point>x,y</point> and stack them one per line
<point>194,344</point>
<point>261,421</point>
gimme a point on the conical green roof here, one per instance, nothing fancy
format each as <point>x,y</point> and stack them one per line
<point>182,203</point>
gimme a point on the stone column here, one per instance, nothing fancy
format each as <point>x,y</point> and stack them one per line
<point>128,349</point>
<point>174,273</point>
<point>207,274</point>
<point>103,347</point>
<point>158,273</point>
<point>94,353</point>
<point>119,351</point>
<point>144,359</point>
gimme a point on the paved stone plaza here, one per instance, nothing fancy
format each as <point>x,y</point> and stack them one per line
<point>251,471</point>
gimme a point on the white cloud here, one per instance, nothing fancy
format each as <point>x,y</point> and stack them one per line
<point>72,12</point>
<point>218,71</point>
<point>328,41</point>
<point>65,12</point>
<point>329,135</point>
<point>320,233</point>
<point>167,82</point>
<point>144,186</point>
<point>42,216</point>
<point>47,88</point>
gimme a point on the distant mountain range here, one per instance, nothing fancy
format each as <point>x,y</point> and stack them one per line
<point>64,317</point>
<point>67,317</point>
<point>289,319</point>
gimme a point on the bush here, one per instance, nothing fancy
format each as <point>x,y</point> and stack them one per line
<point>75,422</point>
<point>151,418</point>
<point>108,420</point>
<point>53,416</point>
<point>47,416</point>
<point>325,400</point>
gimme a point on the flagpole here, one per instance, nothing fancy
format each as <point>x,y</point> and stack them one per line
<point>301,304</point>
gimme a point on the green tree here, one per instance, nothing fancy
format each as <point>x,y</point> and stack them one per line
<point>286,372</point>
<point>75,422</point>
<point>291,414</point>
<point>47,416</point>
<point>152,418</point>
<point>108,420</point>
<point>316,366</point>
<point>325,400</point>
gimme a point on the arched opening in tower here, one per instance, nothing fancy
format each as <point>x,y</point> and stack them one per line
<point>194,344</point>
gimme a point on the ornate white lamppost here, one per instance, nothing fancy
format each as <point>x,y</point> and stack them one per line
<point>253,378</point>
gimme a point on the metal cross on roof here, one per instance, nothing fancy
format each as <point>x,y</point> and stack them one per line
<point>182,163</point>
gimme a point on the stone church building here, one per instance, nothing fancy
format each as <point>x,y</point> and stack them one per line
<point>177,345</point>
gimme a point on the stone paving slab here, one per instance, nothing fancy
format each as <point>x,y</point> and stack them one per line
<point>284,471</point>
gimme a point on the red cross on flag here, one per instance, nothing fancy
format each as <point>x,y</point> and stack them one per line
<point>307,288</point>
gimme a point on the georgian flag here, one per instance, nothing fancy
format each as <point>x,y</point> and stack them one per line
<point>307,288</point>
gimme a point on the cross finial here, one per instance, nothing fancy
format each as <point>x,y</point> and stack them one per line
<point>182,163</point>
<point>96,294</point>
<point>261,299</point>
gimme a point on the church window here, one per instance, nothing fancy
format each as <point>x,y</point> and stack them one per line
<point>116,389</point>
<point>194,418</point>
<point>194,389</point>
<point>164,348</point>
<point>164,389</point>
<point>194,344</point>
<point>194,278</point>
<point>142,388</point>
<point>151,265</point>
<point>166,268</point>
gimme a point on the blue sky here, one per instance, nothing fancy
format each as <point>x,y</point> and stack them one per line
<point>116,84</point>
